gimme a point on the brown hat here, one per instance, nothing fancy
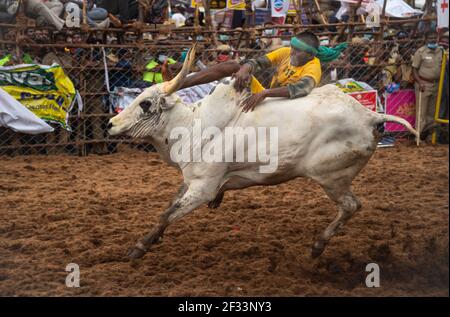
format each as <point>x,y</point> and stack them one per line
<point>224,48</point>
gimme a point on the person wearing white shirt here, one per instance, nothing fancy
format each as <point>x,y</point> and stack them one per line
<point>178,16</point>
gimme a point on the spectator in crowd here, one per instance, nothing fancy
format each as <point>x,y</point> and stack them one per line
<point>59,55</point>
<point>46,12</point>
<point>153,74</point>
<point>178,16</point>
<point>443,39</point>
<point>267,42</point>
<point>426,64</point>
<point>8,10</point>
<point>224,35</point>
<point>223,53</point>
<point>122,73</point>
<point>41,36</point>
<point>405,72</point>
<point>157,13</point>
<point>96,17</point>
<point>399,68</point>
<point>124,10</point>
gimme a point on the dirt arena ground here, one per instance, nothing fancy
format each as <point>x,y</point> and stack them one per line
<point>57,210</point>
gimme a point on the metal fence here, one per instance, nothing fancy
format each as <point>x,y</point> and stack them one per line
<point>98,65</point>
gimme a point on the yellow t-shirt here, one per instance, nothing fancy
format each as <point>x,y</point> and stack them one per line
<point>288,74</point>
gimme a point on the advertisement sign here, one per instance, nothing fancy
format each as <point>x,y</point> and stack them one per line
<point>367,98</point>
<point>292,7</point>
<point>401,104</point>
<point>44,90</point>
<point>280,8</point>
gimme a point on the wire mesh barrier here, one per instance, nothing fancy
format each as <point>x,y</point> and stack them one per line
<point>107,75</point>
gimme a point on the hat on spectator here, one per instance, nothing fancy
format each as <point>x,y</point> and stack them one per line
<point>113,58</point>
<point>224,48</point>
<point>357,40</point>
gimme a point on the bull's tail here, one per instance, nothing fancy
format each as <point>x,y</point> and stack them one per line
<point>382,118</point>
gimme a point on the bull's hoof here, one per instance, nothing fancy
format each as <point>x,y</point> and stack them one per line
<point>214,204</point>
<point>138,251</point>
<point>317,249</point>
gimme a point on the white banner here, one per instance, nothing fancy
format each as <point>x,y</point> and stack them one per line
<point>394,8</point>
<point>18,118</point>
<point>280,8</point>
<point>442,13</point>
<point>399,9</point>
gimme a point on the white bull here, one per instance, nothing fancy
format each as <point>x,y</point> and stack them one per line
<point>326,136</point>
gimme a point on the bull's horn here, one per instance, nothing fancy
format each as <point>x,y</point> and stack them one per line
<point>175,84</point>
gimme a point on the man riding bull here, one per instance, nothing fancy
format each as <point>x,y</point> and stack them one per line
<point>298,70</point>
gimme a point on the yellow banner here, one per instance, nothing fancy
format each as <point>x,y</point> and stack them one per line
<point>292,7</point>
<point>44,90</point>
<point>236,4</point>
<point>194,3</point>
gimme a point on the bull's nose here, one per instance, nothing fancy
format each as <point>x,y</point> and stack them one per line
<point>109,126</point>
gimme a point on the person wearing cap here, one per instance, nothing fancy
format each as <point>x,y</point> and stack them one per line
<point>426,63</point>
<point>443,39</point>
<point>298,70</point>
<point>223,53</point>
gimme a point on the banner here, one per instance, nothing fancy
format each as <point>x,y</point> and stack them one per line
<point>236,4</point>
<point>44,90</point>
<point>18,118</point>
<point>367,98</point>
<point>394,8</point>
<point>398,9</point>
<point>442,13</point>
<point>194,3</point>
<point>213,5</point>
<point>280,8</point>
<point>292,8</point>
<point>401,104</point>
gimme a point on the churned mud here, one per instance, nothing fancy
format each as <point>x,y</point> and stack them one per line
<point>57,210</point>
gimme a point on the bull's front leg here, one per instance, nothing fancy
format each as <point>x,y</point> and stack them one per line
<point>191,198</point>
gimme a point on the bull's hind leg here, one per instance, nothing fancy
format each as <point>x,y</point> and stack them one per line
<point>190,199</point>
<point>347,204</point>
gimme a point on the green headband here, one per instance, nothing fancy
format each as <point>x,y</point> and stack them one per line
<point>325,54</point>
<point>302,46</point>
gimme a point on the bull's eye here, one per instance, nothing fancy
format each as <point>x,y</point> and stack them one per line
<point>145,105</point>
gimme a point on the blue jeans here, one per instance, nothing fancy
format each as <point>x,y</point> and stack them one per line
<point>6,17</point>
<point>95,15</point>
